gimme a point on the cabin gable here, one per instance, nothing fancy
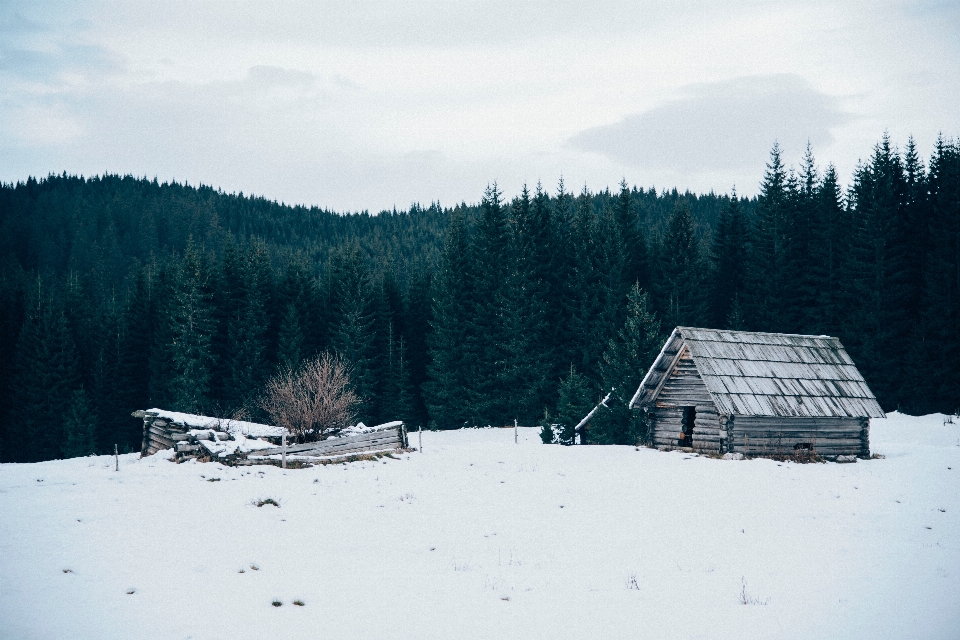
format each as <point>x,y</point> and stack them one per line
<point>683,389</point>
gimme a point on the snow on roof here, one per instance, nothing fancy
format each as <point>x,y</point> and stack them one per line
<point>252,429</point>
<point>768,374</point>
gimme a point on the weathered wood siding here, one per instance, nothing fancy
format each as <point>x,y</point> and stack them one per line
<point>391,438</point>
<point>761,435</point>
<point>684,388</point>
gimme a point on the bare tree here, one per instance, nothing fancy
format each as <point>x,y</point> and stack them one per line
<point>314,400</point>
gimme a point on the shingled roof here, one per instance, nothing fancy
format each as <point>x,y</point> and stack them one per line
<point>768,374</point>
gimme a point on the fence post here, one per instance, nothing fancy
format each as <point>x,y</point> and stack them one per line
<point>116,459</point>
<point>283,444</point>
<point>420,436</point>
<point>515,431</point>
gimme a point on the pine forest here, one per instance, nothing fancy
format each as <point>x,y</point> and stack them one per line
<point>121,293</point>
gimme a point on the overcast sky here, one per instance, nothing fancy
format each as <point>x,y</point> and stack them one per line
<point>364,105</point>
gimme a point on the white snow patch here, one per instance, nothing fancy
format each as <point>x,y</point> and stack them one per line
<point>480,538</point>
<point>252,429</point>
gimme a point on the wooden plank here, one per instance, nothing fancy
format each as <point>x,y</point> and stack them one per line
<point>384,442</point>
<point>666,376</point>
<point>351,452</point>
<point>814,435</point>
<point>387,435</point>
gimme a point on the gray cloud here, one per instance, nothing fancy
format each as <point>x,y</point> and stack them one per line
<point>724,125</point>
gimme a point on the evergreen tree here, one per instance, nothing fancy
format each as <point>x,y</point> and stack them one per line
<point>628,356</point>
<point>299,288</point>
<point>729,253</point>
<point>682,273</point>
<point>800,217</point>
<point>453,347</point>
<point>398,389</point>
<point>768,249</point>
<point>586,298</point>
<point>941,365</point>
<point>829,257</point>
<point>531,357</point>
<point>162,345</point>
<point>79,427</point>
<point>636,261</point>
<point>418,328</point>
<point>633,349</point>
<point>247,329</point>
<point>290,341</point>
<point>48,371</point>
<point>877,197</point>
<point>353,336</point>
<point>133,371</point>
<point>491,259</point>
<point>13,314</point>
<point>191,327</point>
<point>574,403</point>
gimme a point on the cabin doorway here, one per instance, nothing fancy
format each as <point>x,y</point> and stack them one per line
<point>686,427</point>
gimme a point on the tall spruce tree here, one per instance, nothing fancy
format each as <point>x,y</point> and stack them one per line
<point>418,326</point>
<point>729,253</point>
<point>290,347</point>
<point>79,427</point>
<point>683,275</point>
<point>453,346</point>
<point>628,356</point>
<point>491,259</point>
<point>799,222</point>
<point>942,290</point>
<point>636,259</point>
<point>191,328</point>
<point>353,330</point>
<point>877,197</point>
<point>586,298</point>
<point>829,257</point>
<point>133,367</point>
<point>575,401</point>
<point>48,372</point>
<point>248,329</point>
<point>768,249</point>
<point>531,358</point>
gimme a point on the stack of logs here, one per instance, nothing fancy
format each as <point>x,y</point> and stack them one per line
<point>161,433</point>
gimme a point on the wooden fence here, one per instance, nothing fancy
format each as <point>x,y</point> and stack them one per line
<point>393,436</point>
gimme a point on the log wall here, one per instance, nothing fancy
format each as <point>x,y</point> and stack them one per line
<point>761,435</point>
<point>683,387</point>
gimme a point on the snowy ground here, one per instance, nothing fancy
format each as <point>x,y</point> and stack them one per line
<point>481,538</point>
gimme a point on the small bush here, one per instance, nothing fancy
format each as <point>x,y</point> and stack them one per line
<point>270,501</point>
<point>277,603</point>
<point>746,598</point>
<point>313,400</point>
<point>299,603</point>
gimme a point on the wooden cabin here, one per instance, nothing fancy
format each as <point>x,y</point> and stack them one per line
<point>756,394</point>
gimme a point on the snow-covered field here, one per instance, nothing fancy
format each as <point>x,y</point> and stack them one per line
<point>480,538</point>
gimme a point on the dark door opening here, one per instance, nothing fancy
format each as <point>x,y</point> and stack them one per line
<point>686,427</point>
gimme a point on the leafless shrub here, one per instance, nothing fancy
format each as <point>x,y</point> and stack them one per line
<point>314,400</point>
<point>746,598</point>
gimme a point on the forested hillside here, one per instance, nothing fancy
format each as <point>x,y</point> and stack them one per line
<point>121,293</point>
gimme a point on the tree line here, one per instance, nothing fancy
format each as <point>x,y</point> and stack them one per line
<point>122,293</point>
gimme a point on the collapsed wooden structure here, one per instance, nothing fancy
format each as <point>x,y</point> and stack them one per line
<point>756,394</point>
<point>192,436</point>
